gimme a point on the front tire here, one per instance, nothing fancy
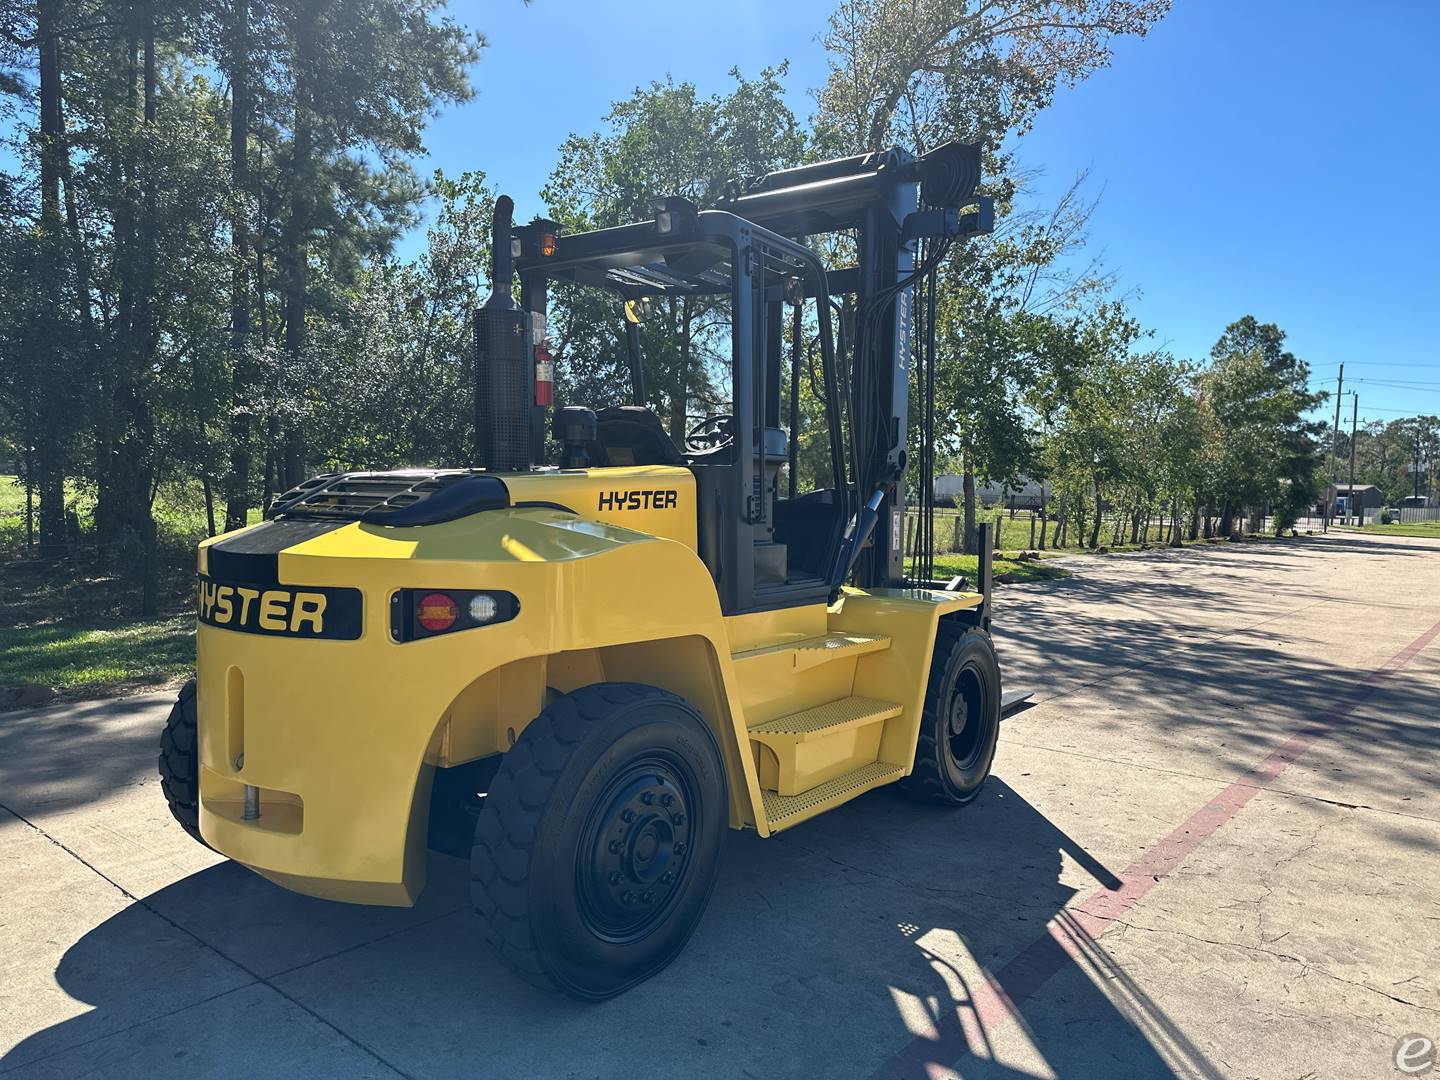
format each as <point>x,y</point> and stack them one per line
<point>597,847</point>
<point>180,762</point>
<point>960,724</point>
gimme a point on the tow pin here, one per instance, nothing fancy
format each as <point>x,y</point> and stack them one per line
<point>252,794</point>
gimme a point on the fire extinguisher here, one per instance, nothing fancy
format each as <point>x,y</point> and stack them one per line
<point>544,365</point>
<point>544,376</point>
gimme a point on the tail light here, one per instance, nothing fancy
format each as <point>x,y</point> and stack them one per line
<point>422,613</point>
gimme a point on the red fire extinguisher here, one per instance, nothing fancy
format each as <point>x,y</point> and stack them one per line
<point>544,376</point>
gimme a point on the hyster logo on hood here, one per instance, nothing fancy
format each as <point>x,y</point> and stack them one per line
<point>261,609</point>
<point>637,500</point>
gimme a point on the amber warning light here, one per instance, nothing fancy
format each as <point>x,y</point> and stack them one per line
<point>436,612</point>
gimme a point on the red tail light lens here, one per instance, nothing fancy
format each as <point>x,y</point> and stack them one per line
<point>436,612</point>
<point>416,614</point>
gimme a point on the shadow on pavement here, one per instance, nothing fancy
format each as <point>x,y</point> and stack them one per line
<point>39,750</point>
<point>867,914</point>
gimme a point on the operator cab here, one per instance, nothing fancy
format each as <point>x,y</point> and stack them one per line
<point>769,450</point>
<point>770,521</point>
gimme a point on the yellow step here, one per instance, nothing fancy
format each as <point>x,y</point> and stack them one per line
<point>782,811</point>
<point>811,652</point>
<point>823,720</point>
<point>811,747</point>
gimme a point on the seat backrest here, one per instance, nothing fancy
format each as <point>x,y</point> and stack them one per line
<point>633,435</point>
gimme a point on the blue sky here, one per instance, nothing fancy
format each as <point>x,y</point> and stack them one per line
<point>1276,158</point>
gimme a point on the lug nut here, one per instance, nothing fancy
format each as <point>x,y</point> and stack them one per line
<point>647,797</point>
<point>680,848</point>
<point>615,847</point>
<point>628,898</point>
<point>679,819</point>
<point>668,878</point>
<point>628,816</point>
<point>647,896</point>
<point>615,878</point>
<point>667,799</point>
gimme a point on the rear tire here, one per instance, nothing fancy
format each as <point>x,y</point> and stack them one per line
<point>180,762</point>
<point>960,724</point>
<point>597,848</point>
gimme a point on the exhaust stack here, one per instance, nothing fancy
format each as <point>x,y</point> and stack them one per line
<point>504,373</point>
<point>502,260</point>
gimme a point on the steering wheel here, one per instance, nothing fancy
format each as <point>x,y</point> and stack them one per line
<point>712,433</point>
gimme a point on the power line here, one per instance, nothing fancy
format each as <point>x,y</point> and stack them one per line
<point>1424,388</point>
<point>1378,408</point>
<point>1377,363</point>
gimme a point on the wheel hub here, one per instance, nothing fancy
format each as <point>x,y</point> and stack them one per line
<point>959,713</point>
<point>966,720</point>
<point>635,851</point>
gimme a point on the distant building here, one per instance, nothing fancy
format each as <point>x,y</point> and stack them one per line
<point>1348,500</point>
<point>1025,494</point>
<point>1419,502</point>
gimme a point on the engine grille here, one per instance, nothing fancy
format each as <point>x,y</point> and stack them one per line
<point>348,496</point>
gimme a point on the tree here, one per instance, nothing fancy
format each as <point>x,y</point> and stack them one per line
<point>664,140</point>
<point>237,51</point>
<point>1268,453</point>
<point>922,73</point>
<point>358,81</point>
<point>141,315</point>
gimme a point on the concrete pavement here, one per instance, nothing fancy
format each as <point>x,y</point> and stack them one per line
<point>1210,849</point>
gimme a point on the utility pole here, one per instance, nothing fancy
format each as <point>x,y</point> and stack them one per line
<point>1354,415</point>
<point>1334,444</point>
<point>1416,470</point>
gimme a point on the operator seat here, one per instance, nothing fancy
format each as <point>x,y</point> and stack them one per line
<point>633,435</point>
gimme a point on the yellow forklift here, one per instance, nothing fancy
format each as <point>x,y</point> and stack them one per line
<point>579,674</point>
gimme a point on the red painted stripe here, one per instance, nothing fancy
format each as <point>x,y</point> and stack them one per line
<point>1071,935</point>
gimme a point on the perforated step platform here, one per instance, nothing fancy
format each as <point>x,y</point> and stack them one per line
<point>825,719</point>
<point>811,652</point>
<point>782,811</point>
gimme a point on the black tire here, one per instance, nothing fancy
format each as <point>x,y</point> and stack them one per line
<point>180,762</point>
<point>961,721</point>
<point>573,894</point>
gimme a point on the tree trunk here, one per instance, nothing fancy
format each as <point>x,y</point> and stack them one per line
<point>1095,531</point>
<point>297,227</point>
<point>209,504</point>
<point>29,497</point>
<point>147,341</point>
<point>237,483</point>
<point>49,449</point>
<point>1044,517</point>
<point>968,488</point>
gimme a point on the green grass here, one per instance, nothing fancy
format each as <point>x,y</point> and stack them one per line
<point>969,565</point>
<point>12,515</point>
<point>180,518</point>
<point>80,660</point>
<point>72,624</point>
<point>1014,534</point>
<point>1414,528</point>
